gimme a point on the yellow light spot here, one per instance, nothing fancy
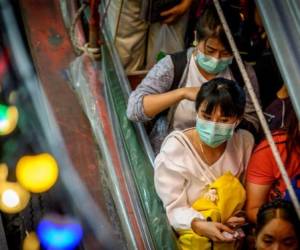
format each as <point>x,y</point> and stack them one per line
<point>31,242</point>
<point>37,173</point>
<point>3,172</point>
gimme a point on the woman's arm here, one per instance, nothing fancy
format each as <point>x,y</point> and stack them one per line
<point>171,184</point>
<point>154,104</point>
<point>172,15</point>
<point>259,179</point>
<point>153,95</point>
<point>158,80</point>
<point>257,195</point>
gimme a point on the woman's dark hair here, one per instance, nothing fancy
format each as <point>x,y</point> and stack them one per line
<point>209,24</point>
<point>293,136</point>
<point>224,93</point>
<point>277,209</point>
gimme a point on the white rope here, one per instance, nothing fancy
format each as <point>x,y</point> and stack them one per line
<point>258,109</point>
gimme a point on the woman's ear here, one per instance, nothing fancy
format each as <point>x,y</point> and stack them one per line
<point>237,122</point>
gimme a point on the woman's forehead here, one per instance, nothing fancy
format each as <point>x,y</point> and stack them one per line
<point>279,227</point>
<point>214,43</point>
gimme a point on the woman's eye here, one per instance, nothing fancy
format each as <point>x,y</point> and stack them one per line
<point>289,242</point>
<point>224,120</point>
<point>268,242</point>
<point>206,117</point>
<point>210,51</point>
<point>226,54</point>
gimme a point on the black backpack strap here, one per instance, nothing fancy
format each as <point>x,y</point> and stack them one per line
<point>179,60</point>
<point>236,73</point>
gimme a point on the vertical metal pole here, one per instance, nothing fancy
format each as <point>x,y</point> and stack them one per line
<point>94,34</point>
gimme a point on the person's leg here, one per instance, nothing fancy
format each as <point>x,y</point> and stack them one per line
<point>130,36</point>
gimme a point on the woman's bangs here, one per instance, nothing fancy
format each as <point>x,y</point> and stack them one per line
<point>223,100</point>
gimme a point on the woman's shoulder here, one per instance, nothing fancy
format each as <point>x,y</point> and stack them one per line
<point>163,66</point>
<point>177,147</point>
<point>242,141</point>
<point>243,136</point>
<point>172,144</point>
<point>279,138</point>
<point>173,154</point>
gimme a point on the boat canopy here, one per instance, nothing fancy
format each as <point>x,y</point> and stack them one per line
<point>281,20</point>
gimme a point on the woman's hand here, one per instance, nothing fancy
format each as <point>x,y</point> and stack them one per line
<point>190,93</point>
<point>212,230</point>
<point>171,15</point>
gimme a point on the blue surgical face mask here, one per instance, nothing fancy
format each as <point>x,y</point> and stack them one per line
<point>212,65</point>
<point>214,134</point>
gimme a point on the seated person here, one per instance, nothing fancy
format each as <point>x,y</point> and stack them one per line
<point>192,160</point>
<point>264,181</point>
<point>165,89</point>
<point>277,226</point>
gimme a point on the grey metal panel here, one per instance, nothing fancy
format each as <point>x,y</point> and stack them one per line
<point>281,20</point>
<point>3,243</point>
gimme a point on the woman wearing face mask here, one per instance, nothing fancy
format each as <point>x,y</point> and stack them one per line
<point>191,160</point>
<point>277,227</point>
<point>211,58</point>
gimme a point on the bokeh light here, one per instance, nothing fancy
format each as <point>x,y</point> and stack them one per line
<point>37,173</point>
<point>14,198</point>
<point>59,233</point>
<point>8,119</point>
<point>10,198</point>
<point>31,242</point>
<point>3,172</point>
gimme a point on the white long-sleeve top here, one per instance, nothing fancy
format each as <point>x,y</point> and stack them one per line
<point>178,179</point>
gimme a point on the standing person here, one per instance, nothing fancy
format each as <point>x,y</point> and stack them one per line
<point>277,227</point>
<point>197,171</point>
<point>166,87</point>
<point>264,181</point>
<point>135,37</point>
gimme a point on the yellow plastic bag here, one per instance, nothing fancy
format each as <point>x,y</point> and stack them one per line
<point>223,198</point>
